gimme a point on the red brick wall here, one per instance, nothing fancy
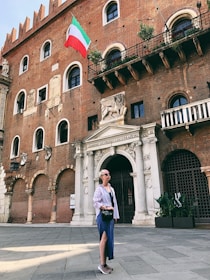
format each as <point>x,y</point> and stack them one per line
<point>80,103</point>
<point>65,187</point>
<point>19,205</point>
<point>42,203</point>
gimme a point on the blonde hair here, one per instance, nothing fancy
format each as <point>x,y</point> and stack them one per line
<point>102,172</point>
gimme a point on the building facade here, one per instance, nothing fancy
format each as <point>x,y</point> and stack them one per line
<point>138,105</point>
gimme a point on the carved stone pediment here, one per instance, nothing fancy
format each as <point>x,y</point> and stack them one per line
<point>112,135</point>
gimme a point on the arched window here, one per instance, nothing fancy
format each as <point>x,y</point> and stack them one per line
<point>20,103</point>
<point>110,11</point>
<point>180,24</point>
<point>45,50</point>
<point>73,77</point>
<point>178,100</point>
<point>62,132</point>
<point>39,139</point>
<point>113,58</point>
<point>24,64</point>
<point>180,28</point>
<point>15,147</point>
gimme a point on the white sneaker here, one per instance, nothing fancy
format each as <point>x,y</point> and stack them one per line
<point>103,269</point>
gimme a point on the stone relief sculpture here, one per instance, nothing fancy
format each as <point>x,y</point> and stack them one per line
<point>54,91</point>
<point>98,156</point>
<point>147,164</point>
<point>5,68</point>
<point>113,107</point>
<point>130,148</point>
<point>48,152</point>
<point>23,158</point>
<point>85,170</point>
<point>31,98</point>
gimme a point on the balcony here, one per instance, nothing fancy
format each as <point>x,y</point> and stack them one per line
<point>187,117</point>
<point>145,56</point>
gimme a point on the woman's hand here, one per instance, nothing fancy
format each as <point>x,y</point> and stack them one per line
<point>109,208</point>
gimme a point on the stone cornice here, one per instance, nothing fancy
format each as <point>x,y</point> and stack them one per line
<point>6,81</point>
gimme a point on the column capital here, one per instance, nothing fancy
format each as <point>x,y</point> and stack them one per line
<point>29,191</point>
<point>90,153</point>
<point>138,143</point>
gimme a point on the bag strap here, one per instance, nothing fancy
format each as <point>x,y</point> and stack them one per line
<point>112,200</point>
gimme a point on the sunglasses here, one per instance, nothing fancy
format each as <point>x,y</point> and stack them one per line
<point>106,174</point>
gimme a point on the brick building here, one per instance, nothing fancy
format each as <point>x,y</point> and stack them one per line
<point>142,110</point>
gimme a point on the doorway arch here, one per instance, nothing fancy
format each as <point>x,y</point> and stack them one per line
<point>19,205</point>
<point>120,169</point>
<point>182,173</point>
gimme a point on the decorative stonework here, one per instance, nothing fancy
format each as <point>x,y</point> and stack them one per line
<point>85,168</point>
<point>130,149</point>
<point>138,145</point>
<point>5,68</point>
<point>113,136</point>
<point>113,109</point>
<point>31,99</point>
<point>54,91</point>
<point>48,152</point>
<point>147,164</point>
<point>98,156</point>
<point>23,158</point>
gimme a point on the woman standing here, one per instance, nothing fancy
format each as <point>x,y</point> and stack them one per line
<point>105,199</point>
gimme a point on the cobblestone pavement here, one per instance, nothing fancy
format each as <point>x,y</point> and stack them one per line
<point>61,252</point>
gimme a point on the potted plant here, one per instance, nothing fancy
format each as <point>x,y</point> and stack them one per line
<point>164,215</point>
<point>95,56</point>
<point>183,213</point>
<point>146,33</point>
<point>208,4</point>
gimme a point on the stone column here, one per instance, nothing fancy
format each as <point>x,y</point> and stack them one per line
<point>5,198</point>
<point>30,205</point>
<point>156,176</point>
<point>153,176</point>
<point>7,205</point>
<point>3,94</point>
<point>139,187</point>
<point>2,194</point>
<point>78,212</point>
<point>54,207</point>
<point>91,184</point>
<point>206,170</point>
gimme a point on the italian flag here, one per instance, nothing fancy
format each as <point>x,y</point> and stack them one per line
<point>77,38</point>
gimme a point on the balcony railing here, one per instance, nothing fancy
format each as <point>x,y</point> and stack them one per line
<point>154,45</point>
<point>186,115</point>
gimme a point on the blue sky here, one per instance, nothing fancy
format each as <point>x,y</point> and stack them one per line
<point>14,12</point>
